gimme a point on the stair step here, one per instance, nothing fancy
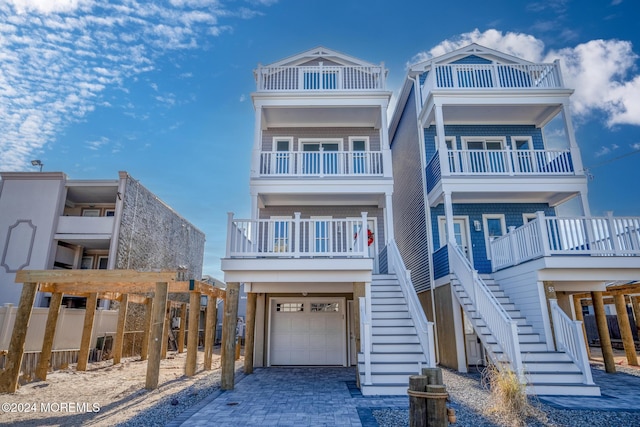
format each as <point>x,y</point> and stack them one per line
<point>414,367</point>
<point>391,315</point>
<point>394,330</point>
<point>554,377</point>
<point>558,389</point>
<point>406,357</point>
<point>394,338</point>
<point>385,294</point>
<point>391,306</point>
<point>389,378</point>
<point>384,390</point>
<point>551,366</point>
<point>391,321</point>
<point>396,347</point>
<point>385,288</point>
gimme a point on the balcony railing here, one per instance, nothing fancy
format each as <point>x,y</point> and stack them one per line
<point>493,76</point>
<point>85,225</point>
<point>320,78</point>
<point>321,163</point>
<point>297,237</point>
<point>548,236</point>
<point>510,162</point>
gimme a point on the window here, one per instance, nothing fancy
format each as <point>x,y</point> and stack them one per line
<point>281,235</point>
<point>359,148</point>
<point>103,262</point>
<point>322,234</point>
<point>91,212</point>
<point>326,79</point>
<point>86,263</point>
<point>109,212</point>
<point>485,155</point>
<point>528,217</point>
<point>524,156</point>
<point>290,307</point>
<point>317,307</point>
<point>494,227</point>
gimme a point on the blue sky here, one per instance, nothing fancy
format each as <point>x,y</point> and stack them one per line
<point>162,89</point>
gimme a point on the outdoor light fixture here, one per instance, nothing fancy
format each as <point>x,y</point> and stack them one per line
<point>37,163</point>
<point>203,300</point>
<point>477,226</point>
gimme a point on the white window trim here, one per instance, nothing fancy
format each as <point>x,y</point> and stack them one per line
<point>274,144</point>
<point>339,141</point>
<point>359,138</point>
<point>272,232</point>
<point>485,228</point>
<point>484,139</point>
<point>527,217</point>
<point>521,138</point>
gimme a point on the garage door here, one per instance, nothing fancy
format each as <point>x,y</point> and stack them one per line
<point>307,332</point>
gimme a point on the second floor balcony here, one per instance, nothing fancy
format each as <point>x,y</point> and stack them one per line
<point>321,164</point>
<point>85,225</point>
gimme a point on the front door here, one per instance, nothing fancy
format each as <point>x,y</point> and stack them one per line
<point>460,234</point>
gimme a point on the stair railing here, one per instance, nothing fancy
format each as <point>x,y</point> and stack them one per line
<point>423,326</point>
<point>502,327</point>
<point>570,339</point>
<point>365,338</point>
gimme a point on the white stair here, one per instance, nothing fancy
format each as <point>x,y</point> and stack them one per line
<point>546,372</point>
<point>396,350</point>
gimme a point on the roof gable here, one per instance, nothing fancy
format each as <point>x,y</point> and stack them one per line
<point>318,54</point>
<point>472,52</point>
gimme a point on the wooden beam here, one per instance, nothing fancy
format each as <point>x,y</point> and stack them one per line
<point>603,332</point>
<point>91,277</point>
<point>183,327</point>
<point>625,330</point>
<point>118,342</point>
<point>250,332</point>
<point>49,334</point>
<point>192,338</point>
<point>148,317</point>
<point>209,332</point>
<point>229,325</point>
<point>87,329</point>
<point>155,343</point>
<point>9,377</point>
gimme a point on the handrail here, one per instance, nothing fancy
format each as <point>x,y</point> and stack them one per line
<point>320,78</point>
<point>321,163</point>
<point>570,339</point>
<point>503,328</point>
<point>510,162</point>
<point>365,339</point>
<point>423,326</point>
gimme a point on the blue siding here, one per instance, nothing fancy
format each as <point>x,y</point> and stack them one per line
<point>513,217</point>
<point>440,262</point>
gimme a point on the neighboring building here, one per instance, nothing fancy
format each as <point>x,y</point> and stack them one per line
<point>478,188</point>
<point>321,188</point>
<point>48,221</point>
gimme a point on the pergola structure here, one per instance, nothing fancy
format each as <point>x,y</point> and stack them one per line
<point>127,286</point>
<point>616,294</point>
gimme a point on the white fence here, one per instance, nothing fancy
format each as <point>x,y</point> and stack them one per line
<point>510,162</point>
<point>547,236</point>
<point>68,328</point>
<point>321,163</point>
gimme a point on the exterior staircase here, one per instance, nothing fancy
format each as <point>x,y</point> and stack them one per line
<point>396,352</point>
<point>546,372</point>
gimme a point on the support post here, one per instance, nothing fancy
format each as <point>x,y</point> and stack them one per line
<point>209,331</point>
<point>229,324</point>
<point>87,330</point>
<point>122,318</point>
<point>635,303</point>
<point>577,307</point>
<point>418,405</point>
<point>192,339</point>
<point>49,334</point>
<point>603,332</point>
<point>625,329</point>
<point>9,377</point>
<point>167,327</point>
<point>250,332</point>
<point>148,313</point>
<point>155,342</point>
<point>183,327</point>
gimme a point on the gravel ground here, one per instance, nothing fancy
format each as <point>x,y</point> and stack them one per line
<point>472,404</point>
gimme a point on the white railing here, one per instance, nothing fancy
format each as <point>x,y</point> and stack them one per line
<point>365,339</point>
<point>296,237</point>
<point>502,327</point>
<point>510,162</point>
<point>493,76</point>
<point>423,326</point>
<point>570,339</point>
<point>320,77</point>
<point>549,235</point>
<point>321,163</point>
<point>85,225</point>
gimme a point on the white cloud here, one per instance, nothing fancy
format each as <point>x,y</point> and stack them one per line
<point>606,150</point>
<point>58,57</point>
<point>602,72</point>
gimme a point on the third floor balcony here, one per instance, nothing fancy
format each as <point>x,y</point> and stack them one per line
<point>320,78</point>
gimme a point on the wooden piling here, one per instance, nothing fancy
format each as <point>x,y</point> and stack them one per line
<point>148,317</point>
<point>249,340</point>
<point>625,329</point>
<point>49,334</point>
<point>635,303</point>
<point>119,338</point>
<point>229,324</point>
<point>209,331</point>
<point>192,338</point>
<point>87,330</point>
<point>155,343</point>
<point>603,332</point>
<point>183,327</point>
<point>166,329</point>
<point>417,404</point>
<point>577,307</point>
<point>9,377</point>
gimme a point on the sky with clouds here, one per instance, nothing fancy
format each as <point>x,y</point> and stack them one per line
<point>161,89</point>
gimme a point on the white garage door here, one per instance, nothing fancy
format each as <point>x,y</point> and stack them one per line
<point>307,331</point>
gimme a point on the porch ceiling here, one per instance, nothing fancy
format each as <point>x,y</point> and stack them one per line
<point>314,199</point>
<point>470,114</point>
<point>332,116</point>
<point>554,198</point>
